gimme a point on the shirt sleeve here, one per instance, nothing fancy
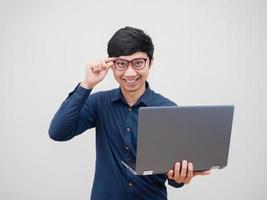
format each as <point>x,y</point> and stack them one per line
<point>75,115</point>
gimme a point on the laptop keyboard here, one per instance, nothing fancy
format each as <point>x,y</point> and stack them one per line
<point>131,163</point>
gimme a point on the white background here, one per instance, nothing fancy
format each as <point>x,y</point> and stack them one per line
<point>206,52</point>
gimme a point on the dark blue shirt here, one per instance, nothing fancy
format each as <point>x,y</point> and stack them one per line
<point>116,133</point>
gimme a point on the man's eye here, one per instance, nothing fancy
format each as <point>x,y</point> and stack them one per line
<point>138,63</point>
<point>120,63</point>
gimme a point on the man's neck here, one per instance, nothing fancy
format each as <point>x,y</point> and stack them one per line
<point>132,97</point>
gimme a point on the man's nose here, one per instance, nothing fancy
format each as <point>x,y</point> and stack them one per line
<point>130,71</point>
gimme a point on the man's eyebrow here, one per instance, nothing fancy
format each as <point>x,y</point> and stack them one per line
<point>117,58</point>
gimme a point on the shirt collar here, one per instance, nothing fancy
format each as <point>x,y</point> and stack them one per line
<point>145,98</point>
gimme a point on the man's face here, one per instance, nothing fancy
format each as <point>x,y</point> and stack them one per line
<point>132,78</point>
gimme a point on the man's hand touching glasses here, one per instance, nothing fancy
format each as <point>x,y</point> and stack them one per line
<point>96,72</point>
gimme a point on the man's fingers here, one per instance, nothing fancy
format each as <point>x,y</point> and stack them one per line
<point>177,171</point>
<point>190,169</point>
<point>110,59</point>
<point>104,65</point>
<point>110,64</point>
<point>189,173</point>
<point>183,171</point>
<point>170,174</point>
<point>96,68</point>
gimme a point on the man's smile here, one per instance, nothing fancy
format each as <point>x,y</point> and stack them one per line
<point>131,80</point>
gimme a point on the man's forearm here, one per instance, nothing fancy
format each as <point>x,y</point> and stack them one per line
<point>64,124</point>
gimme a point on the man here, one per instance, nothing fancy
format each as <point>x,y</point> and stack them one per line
<point>114,115</point>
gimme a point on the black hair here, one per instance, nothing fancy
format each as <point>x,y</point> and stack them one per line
<point>129,40</point>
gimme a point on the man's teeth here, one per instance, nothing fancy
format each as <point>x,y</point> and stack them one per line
<point>131,81</point>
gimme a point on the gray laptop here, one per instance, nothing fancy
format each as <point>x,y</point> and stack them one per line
<point>199,134</point>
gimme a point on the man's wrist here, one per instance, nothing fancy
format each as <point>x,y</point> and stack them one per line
<point>87,85</point>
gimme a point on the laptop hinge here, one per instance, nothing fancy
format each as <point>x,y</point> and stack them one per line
<point>216,167</point>
<point>148,172</point>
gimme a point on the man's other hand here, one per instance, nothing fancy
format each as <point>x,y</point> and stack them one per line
<point>183,172</point>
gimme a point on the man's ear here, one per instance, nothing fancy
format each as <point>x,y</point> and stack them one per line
<point>151,62</point>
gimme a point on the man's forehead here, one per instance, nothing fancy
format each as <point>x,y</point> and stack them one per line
<point>134,55</point>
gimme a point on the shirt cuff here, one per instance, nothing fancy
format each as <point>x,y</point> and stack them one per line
<point>175,184</point>
<point>80,92</point>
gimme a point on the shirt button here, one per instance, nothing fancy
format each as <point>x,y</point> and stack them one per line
<point>130,109</point>
<point>130,184</point>
<point>128,129</point>
<point>127,148</point>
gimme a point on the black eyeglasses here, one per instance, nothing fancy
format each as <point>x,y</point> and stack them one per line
<point>137,63</point>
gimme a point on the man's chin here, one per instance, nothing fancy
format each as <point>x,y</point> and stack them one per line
<point>131,88</point>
